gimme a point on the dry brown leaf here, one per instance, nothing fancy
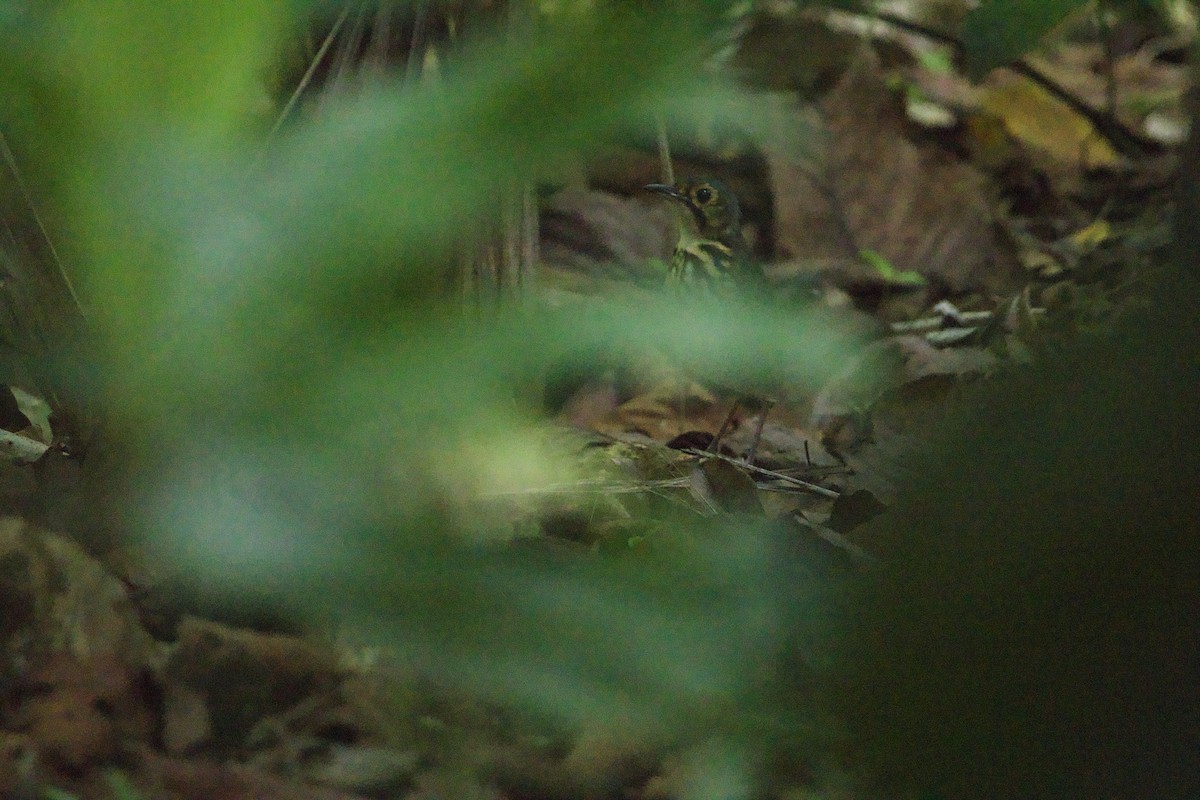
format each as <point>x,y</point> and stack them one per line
<point>603,234</point>
<point>900,366</point>
<point>203,780</point>
<point>55,598</point>
<point>665,412</point>
<point>78,712</point>
<point>868,187</point>
<point>221,681</point>
<point>75,717</point>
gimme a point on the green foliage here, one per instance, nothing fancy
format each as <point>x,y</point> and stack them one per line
<point>304,409</point>
<point>1001,31</point>
<point>888,272</point>
<point>122,787</point>
<point>51,793</point>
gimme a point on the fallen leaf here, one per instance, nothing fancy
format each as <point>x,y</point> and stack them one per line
<point>847,179</point>
<point>55,598</point>
<point>1045,124</point>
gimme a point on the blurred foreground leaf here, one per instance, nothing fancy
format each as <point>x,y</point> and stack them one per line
<point>301,402</point>
<point>1000,31</point>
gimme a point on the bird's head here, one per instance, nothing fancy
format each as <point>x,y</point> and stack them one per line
<point>712,209</point>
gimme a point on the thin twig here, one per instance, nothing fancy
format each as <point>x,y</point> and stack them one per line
<point>306,79</point>
<point>11,161</point>
<point>530,246</point>
<point>416,46</point>
<point>811,487</point>
<point>381,37</point>
<point>1125,139</point>
<point>666,172</point>
<point>594,486</point>
<point>665,167</point>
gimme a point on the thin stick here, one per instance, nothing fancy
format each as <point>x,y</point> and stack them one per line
<point>758,430</point>
<point>11,161</point>
<point>667,175</point>
<point>530,246</point>
<point>665,168</point>
<point>416,47</point>
<point>1125,139</point>
<point>811,487</point>
<point>715,444</point>
<point>306,79</point>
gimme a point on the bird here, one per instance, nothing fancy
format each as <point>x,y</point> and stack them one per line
<point>711,257</point>
<point>711,251</point>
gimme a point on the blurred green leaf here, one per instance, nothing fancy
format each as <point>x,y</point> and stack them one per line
<point>1000,31</point>
<point>51,793</point>
<point>309,414</point>
<point>121,785</point>
<point>888,272</point>
<point>400,175</point>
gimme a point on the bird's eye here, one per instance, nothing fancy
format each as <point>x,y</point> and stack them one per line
<point>704,194</point>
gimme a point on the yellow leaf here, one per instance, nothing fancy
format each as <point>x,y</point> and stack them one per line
<point>1087,239</point>
<point>1039,120</point>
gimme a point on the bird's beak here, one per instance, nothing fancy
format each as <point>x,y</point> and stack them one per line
<point>664,189</point>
